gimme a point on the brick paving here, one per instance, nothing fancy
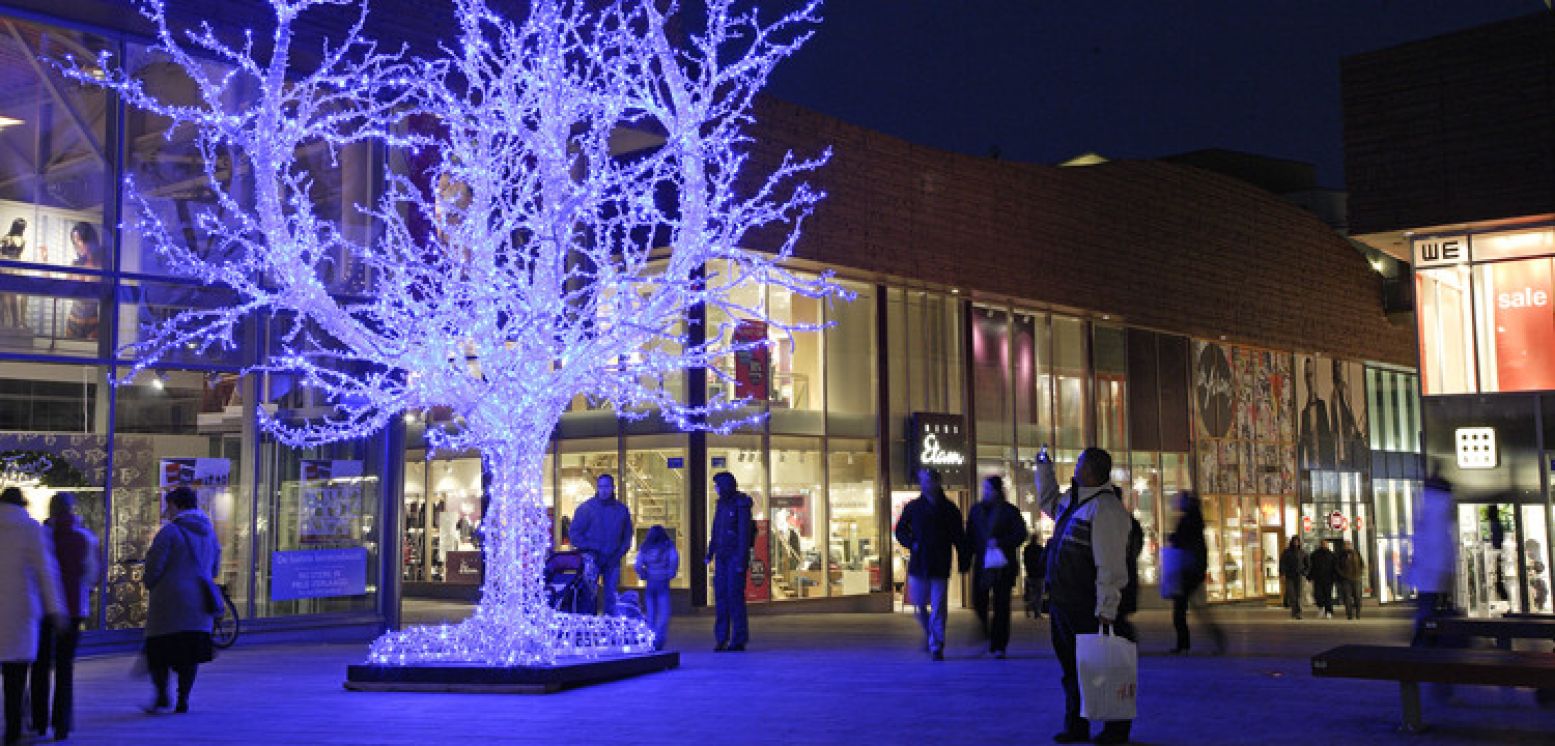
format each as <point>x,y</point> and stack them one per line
<point>820,679</point>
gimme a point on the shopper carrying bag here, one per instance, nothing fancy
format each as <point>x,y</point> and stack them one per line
<point>1109,675</point>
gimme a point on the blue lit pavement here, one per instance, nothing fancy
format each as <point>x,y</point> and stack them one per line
<point>816,679</point>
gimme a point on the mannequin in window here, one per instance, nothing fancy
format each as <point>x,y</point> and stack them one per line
<point>12,244</point>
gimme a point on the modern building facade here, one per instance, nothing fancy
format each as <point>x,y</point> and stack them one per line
<point>1210,334</point>
<point>1450,151</point>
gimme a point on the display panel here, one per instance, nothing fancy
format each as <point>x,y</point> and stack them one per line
<point>1516,325</point>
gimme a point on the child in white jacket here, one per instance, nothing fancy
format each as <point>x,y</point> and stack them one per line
<point>657,564</point>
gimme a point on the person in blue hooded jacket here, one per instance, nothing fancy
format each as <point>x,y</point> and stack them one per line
<point>730,546</point>
<point>602,527</point>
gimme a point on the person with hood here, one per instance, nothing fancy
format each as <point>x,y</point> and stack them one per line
<point>733,532</point>
<point>1321,572</point>
<point>29,593</point>
<point>75,553</point>
<point>1188,561</point>
<point>1350,566</point>
<point>930,528</point>
<point>1087,574</point>
<point>602,527</point>
<point>657,564</point>
<point>184,557</point>
<point>994,528</point>
<point>1294,566</point>
<point>1435,552</point>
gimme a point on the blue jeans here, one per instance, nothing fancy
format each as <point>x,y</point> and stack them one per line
<point>656,602</point>
<point>928,595</point>
<point>729,595</point>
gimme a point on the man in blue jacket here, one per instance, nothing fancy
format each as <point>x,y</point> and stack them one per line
<point>602,527</point>
<point>730,546</point>
<point>930,528</point>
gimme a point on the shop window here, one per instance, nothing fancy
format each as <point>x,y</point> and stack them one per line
<point>1070,370</point>
<point>580,464</point>
<point>797,517</point>
<point>1446,330</point>
<point>1109,352</point>
<point>318,513</point>
<point>854,533</point>
<point>925,352</point>
<point>53,438</point>
<point>850,364</point>
<point>653,483</point>
<point>746,460</point>
<point>991,375</point>
<point>174,427</point>
<point>443,513</point>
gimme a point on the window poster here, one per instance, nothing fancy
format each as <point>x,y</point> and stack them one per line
<point>329,499</point>
<point>1331,415</point>
<point>210,478</point>
<point>1244,420</point>
<point>750,360</point>
<point>756,585</point>
<point>1517,300</point>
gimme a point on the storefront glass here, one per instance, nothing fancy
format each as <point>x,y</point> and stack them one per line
<point>744,457</point>
<point>580,463</point>
<point>653,484</point>
<point>854,536</point>
<point>925,363</point>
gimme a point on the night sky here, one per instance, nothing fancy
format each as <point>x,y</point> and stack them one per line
<point>1044,80</point>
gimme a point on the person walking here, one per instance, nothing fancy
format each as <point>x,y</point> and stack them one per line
<point>1087,574</point>
<point>1187,558</point>
<point>1034,559</point>
<point>994,533</point>
<point>602,528</point>
<point>29,593</point>
<point>1294,566</point>
<point>733,532</point>
<point>931,529</point>
<point>657,564</point>
<point>1322,574</point>
<point>75,553</point>
<point>1351,569</point>
<point>1435,553</point>
<point>184,556</point>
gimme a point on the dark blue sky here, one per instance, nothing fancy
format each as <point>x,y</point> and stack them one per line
<point>1044,80</point>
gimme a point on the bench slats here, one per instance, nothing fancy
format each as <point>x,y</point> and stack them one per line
<point>1437,665</point>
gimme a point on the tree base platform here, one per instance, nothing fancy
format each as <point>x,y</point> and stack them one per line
<point>479,679</point>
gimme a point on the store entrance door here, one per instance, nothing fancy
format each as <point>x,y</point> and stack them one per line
<point>1271,543</point>
<point>1488,578</point>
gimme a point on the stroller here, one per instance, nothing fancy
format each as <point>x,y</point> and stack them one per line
<point>570,581</point>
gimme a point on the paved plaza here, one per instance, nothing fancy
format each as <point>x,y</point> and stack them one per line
<point>821,679</point>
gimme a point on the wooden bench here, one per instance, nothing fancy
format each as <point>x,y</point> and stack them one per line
<point>1412,666</point>
<point>1503,630</point>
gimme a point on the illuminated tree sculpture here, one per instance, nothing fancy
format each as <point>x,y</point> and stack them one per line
<point>530,264</point>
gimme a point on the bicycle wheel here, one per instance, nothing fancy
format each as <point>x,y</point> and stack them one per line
<point>224,633</point>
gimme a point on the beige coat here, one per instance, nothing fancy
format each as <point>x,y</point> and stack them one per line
<point>29,584</point>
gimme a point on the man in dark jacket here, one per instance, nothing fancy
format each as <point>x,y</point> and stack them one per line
<point>1087,574</point>
<point>602,527</point>
<point>1294,565</point>
<point>993,524</point>
<point>1350,569</point>
<point>1320,570</point>
<point>730,546</point>
<point>930,528</point>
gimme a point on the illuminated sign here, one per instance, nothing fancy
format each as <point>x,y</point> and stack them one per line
<point>938,441</point>
<point>1476,447</point>
<point>1521,324</point>
<point>1441,250</point>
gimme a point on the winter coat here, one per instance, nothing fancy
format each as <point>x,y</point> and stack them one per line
<point>1435,549</point>
<point>75,550</point>
<point>184,556</point>
<point>1294,563</point>
<point>1002,522</point>
<point>657,562</point>
<point>1349,564</point>
<point>733,532</point>
<point>29,584</point>
<point>604,528</point>
<point>1088,554</point>
<point>1321,565</point>
<point>931,530</point>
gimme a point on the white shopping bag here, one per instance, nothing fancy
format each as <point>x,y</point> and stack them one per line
<point>1109,673</point>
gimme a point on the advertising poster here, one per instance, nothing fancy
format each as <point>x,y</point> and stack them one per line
<point>329,499</point>
<point>750,362</point>
<point>209,477</point>
<point>1331,415</point>
<point>1243,414</point>
<point>1518,297</point>
<point>756,585</point>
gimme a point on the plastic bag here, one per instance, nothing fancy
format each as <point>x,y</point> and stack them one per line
<point>1109,674</point>
<point>1174,567</point>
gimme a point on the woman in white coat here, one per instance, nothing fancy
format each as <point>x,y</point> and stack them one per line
<point>29,589</point>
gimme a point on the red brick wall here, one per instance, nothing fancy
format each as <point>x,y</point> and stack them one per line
<point>1165,246</point>
<point>1452,129</point>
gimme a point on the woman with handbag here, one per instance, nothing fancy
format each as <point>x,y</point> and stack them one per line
<point>994,531</point>
<point>184,556</point>
<point>1183,566</point>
